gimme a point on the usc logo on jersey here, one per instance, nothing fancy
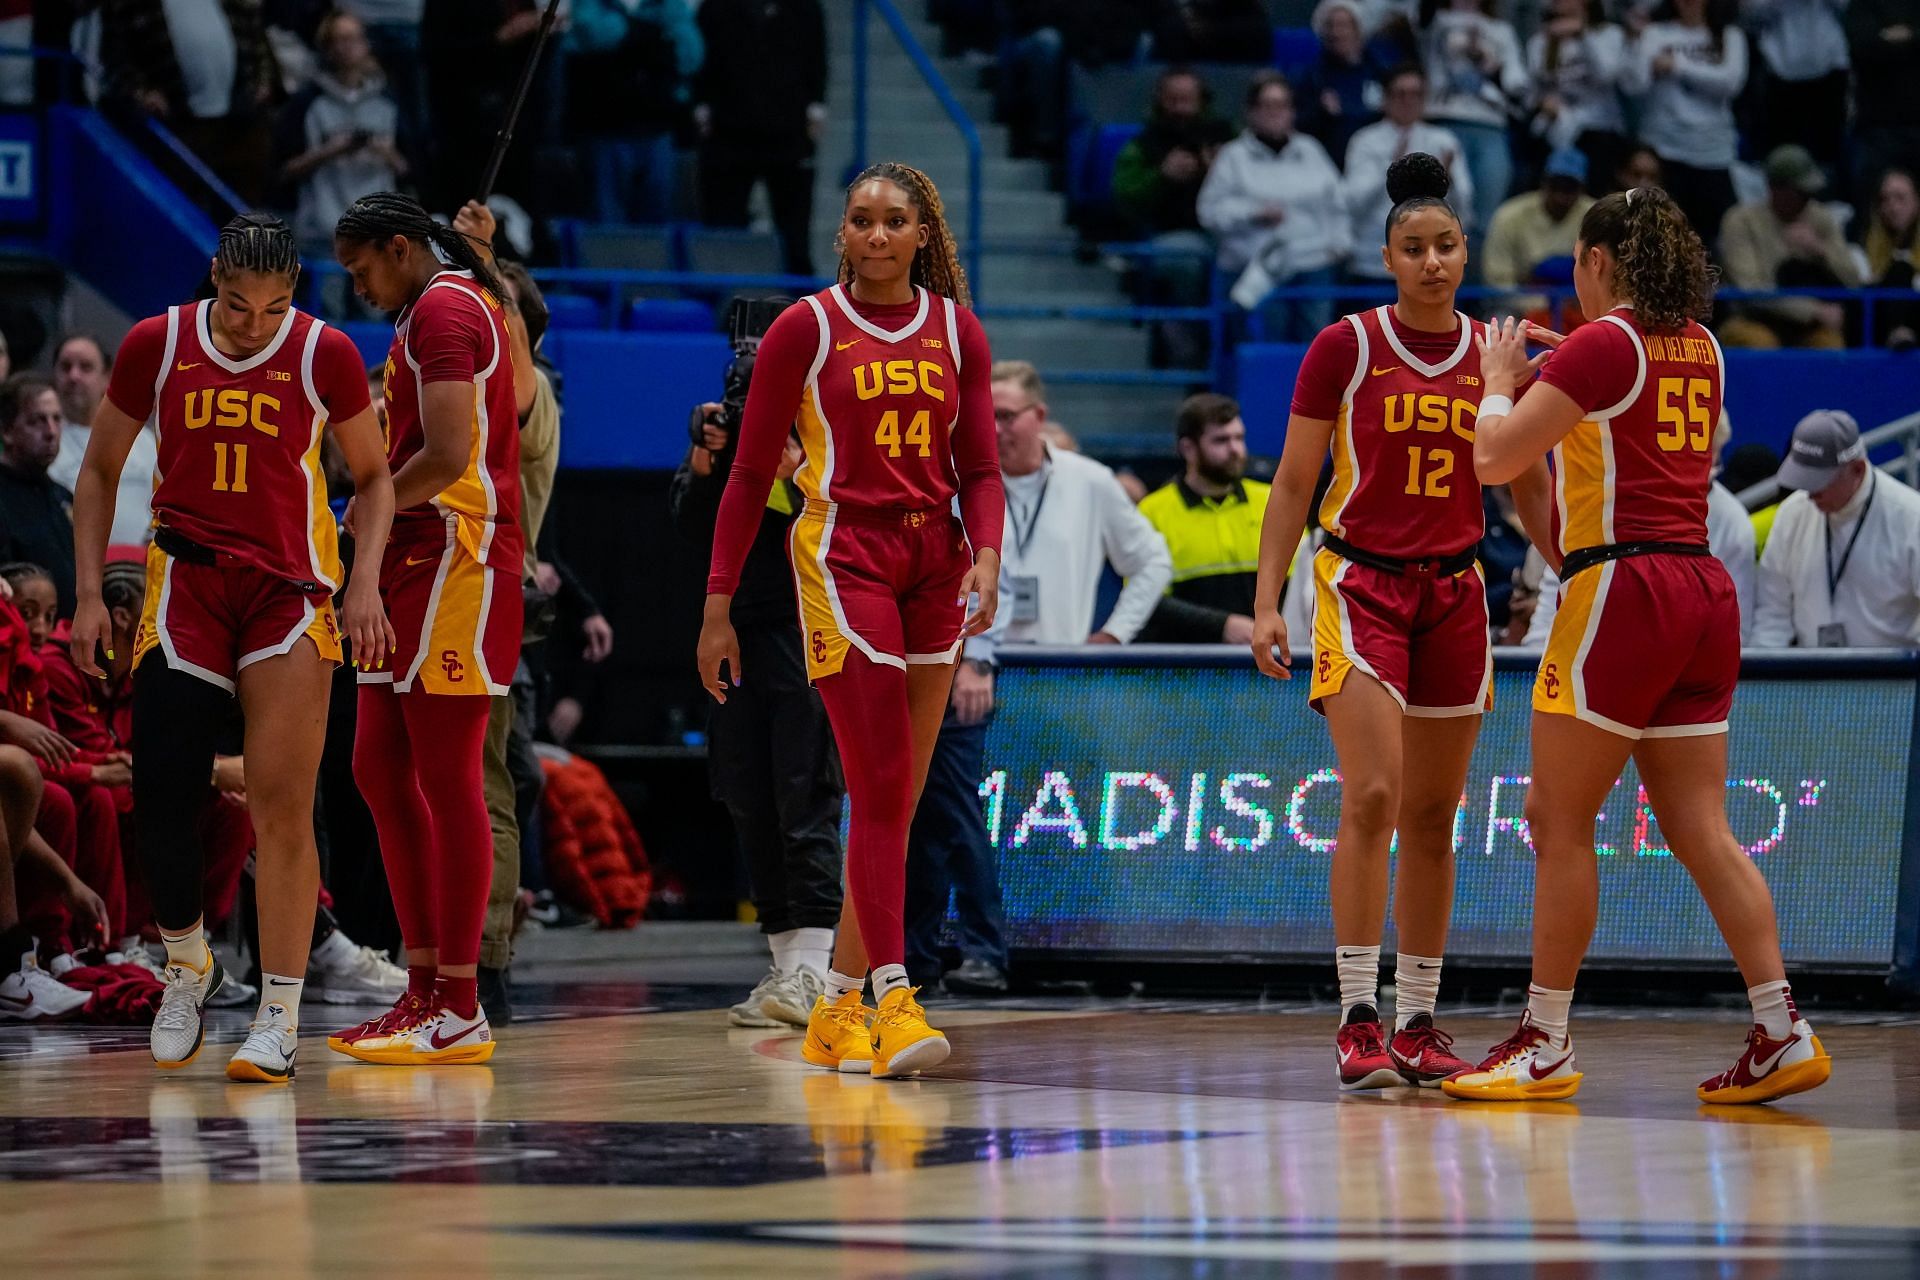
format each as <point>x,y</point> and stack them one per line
<point>231,408</point>
<point>1550,680</point>
<point>1431,414</point>
<point>451,664</point>
<point>901,377</point>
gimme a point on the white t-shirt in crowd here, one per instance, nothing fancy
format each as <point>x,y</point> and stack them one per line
<point>209,61</point>
<point>1877,599</point>
<point>133,505</point>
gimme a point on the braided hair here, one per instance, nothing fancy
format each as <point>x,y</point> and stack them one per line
<point>1417,181</point>
<point>258,243</point>
<point>377,218</point>
<point>21,572</point>
<point>123,585</point>
<point>936,268</point>
<point>1661,263</point>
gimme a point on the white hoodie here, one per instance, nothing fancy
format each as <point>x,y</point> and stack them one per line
<point>1248,175</point>
<point>1687,116</point>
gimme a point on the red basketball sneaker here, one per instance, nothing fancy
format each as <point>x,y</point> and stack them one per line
<point>1364,1062</point>
<point>1525,1067</point>
<point>1423,1054</point>
<point>405,1011</point>
<point>1772,1068</point>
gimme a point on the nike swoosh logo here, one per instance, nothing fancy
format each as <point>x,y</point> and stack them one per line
<point>1345,1056</point>
<point>412,563</point>
<point>183,366</point>
<point>438,1043</point>
<point>842,346</point>
<point>283,982</point>
<point>1761,1066</point>
<point>1380,373</point>
<point>1538,1074</point>
<point>1415,1061</point>
<point>1421,964</point>
<point>11,1003</point>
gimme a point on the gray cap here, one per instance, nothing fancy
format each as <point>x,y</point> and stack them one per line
<point>1824,441</point>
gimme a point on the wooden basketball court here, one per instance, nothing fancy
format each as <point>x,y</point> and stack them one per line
<point>624,1130</point>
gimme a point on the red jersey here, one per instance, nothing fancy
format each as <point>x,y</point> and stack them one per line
<point>1403,405</point>
<point>456,331</point>
<point>1638,466</point>
<point>895,409</point>
<point>239,440</point>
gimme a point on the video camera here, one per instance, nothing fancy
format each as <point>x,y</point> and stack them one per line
<point>748,320</point>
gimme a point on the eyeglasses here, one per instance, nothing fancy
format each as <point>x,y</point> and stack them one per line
<point>1007,417</point>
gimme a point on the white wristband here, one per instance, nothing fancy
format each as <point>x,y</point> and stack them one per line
<point>1495,406</point>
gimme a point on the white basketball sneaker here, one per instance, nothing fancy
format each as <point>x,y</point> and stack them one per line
<point>180,1024</point>
<point>31,994</point>
<point>266,1057</point>
<point>750,1012</point>
<point>1525,1067</point>
<point>792,996</point>
<point>338,972</point>
<point>441,1037</point>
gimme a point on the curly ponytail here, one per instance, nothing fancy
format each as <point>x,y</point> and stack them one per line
<point>936,268</point>
<point>1662,265</point>
<point>377,218</point>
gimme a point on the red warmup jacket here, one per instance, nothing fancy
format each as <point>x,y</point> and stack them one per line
<point>23,688</point>
<point>96,715</point>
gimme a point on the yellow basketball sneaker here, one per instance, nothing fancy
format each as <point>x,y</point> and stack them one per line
<point>839,1036</point>
<point>1771,1068</point>
<point>903,1043</point>
<point>1525,1067</point>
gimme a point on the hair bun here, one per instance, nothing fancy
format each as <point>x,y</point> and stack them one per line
<point>1416,176</point>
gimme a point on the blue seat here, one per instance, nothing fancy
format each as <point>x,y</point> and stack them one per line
<point>1294,49</point>
<point>575,311</point>
<point>1107,144</point>
<point>372,337</point>
<point>608,424</point>
<point>727,252</point>
<point>619,247</point>
<point>668,315</point>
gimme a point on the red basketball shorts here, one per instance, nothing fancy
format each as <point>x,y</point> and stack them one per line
<point>213,621</point>
<point>456,622</point>
<point>1646,647</point>
<point>1423,637</point>
<point>885,582</point>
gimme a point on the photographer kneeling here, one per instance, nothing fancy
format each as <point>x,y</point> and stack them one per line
<point>770,755</point>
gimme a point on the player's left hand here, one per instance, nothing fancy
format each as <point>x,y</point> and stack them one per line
<point>364,619</point>
<point>87,907</point>
<point>476,222</point>
<point>982,580</point>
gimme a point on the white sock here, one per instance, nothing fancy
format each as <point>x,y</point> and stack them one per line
<point>1548,1009</point>
<point>275,989</point>
<point>1773,1009</point>
<point>338,946</point>
<point>887,978</point>
<point>1416,982</point>
<point>189,948</point>
<point>1359,977</point>
<point>839,984</point>
<point>813,949</point>
<point>782,944</point>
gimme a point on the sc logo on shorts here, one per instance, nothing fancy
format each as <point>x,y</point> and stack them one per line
<point>451,664</point>
<point>819,646</point>
<point>1325,666</point>
<point>1550,680</point>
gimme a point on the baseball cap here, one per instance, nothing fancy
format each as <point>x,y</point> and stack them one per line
<point>1823,442</point>
<point>1793,166</point>
<point>1568,163</point>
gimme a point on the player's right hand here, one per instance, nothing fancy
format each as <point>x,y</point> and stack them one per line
<point>718,644</point>
<point>1269,635</point>
<point>92,630</point>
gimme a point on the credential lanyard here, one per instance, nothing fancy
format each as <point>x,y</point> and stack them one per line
<point>1023,537</point>
<point>1835,574</point>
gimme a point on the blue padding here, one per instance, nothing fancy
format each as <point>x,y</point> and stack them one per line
<point>1767,391</point>
<point>669,315</point>
<point>1108,142</point>
<point>627,394</point>
<point>373,337</point>
<point>574,311</point>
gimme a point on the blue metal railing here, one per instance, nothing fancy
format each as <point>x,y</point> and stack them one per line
<point>923,63</point>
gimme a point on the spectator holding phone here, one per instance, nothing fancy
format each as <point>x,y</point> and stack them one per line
<point>339,139</point>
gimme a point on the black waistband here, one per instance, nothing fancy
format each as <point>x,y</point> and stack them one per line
<point>1440,567</point>
<point>181,547</point>
<point>1584,558</point>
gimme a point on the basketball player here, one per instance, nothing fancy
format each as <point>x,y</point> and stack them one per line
<point>1402,666</point>
<point>451,582</point>
<point>1645,648</point>
<point>886,375</point>
<point>240,578</point>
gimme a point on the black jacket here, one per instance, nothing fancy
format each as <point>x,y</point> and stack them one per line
<point>36,525</point>
<point>766,595</point>
<point>766,64</point>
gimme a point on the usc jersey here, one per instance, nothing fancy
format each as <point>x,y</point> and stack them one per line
<point>1638,465</point>
<point>239,440</point>
<point>1403,405</point>
<point>456,331</point>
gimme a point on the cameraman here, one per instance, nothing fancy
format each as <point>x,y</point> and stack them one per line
<point>770,756</point>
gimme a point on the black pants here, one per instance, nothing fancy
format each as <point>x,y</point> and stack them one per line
<point>950,857</point>
<point>771,759</point>
<point>1812,113</point>
<point>1704,195</point>
<point>728,170</point>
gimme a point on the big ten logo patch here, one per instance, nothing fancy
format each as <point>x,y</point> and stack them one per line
<point>1550,680</point>
<point>451,664</point>
<point>933,344</point>
<point>1430,414</point>
<point>232,407</point>
<point>899,377</point>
